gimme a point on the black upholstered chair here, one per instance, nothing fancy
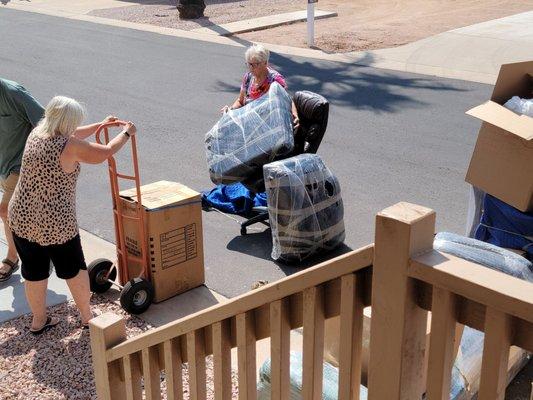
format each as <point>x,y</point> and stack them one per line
<point>313,112</point>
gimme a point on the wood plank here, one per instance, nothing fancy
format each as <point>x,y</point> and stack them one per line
<point>246,356</point>
<point>280,343</point>
<point>441,348</point>
<point>351,338</point>
<point>313,343</point>
<point>221,337</point>
<point>151,373</point>
<point>472,313</point>
<point>476,282</point>
<point>132,377</point>
<point>173,369</point>
<point>196,360</point>
<point>107,330</point>
<point>398,333</point>
<point>316,275</point>
<point>498,333</point>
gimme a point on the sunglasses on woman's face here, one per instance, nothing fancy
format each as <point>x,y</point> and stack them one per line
<point>253,65</point>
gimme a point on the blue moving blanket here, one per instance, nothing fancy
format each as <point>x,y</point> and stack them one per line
<point>233,199</point>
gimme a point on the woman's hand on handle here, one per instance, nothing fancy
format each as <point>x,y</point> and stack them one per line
<point>130,128</point>
<point>109,118</point>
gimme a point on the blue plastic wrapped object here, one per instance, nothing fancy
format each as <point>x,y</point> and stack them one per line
<point>305,207</point>
<point>330,383</point>
<point>247,138</point>
<point>486,254</point>
<point>505,226</point>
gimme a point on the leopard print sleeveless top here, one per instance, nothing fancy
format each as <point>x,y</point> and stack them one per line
<point>43,206</point>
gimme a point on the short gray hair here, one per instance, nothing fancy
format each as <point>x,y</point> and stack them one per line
<point>62,117</point>
<point>257,52</point>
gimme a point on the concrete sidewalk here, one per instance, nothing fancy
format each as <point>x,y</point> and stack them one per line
<point>472,53</point>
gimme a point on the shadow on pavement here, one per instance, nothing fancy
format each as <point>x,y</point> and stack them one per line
<point>353,85</point>
<point>19,305</point>
<point>260,245</point>
<point>255,244</point>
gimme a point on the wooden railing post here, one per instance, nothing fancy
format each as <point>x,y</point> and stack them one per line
<point>107,330</point>
<point>398,327</point>
<point>498,337</point>
<point>313,343</point>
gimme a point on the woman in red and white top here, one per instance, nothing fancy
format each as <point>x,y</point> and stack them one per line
<point>258,79</point>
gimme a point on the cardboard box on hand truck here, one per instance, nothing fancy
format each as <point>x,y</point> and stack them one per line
<point>173,219</point>
<point>502,163</point>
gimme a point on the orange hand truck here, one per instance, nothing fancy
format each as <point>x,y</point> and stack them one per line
<point>136,293</point>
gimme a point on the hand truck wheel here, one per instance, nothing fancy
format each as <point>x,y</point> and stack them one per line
<point>243,230</point>
<point>101,272</point>
<point>136,296</point>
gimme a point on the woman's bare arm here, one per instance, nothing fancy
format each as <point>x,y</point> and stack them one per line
<point>84,132</point>
<point>236,104</point>
<point>78,150</point>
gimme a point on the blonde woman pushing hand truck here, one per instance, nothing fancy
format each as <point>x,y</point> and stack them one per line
<point>42,211</point>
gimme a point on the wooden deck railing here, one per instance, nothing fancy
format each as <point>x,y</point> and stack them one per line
<point>340,286</point>
<point>410,278</point>
<point>401,277</point>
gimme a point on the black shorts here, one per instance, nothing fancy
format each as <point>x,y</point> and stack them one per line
<point>67,258</point>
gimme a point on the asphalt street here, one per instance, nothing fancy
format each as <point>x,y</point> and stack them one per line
<point>391,136</point>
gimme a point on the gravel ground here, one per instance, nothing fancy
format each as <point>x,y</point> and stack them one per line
<point>360,25</point>
<point>165,13</point>
<point>57,365</point>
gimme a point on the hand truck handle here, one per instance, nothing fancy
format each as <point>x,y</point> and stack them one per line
<point>103,127</point>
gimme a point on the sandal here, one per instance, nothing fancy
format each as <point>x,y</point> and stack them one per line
<point>50,323</point>
<point>13,267</point>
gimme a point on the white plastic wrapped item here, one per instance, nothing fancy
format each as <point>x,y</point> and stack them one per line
<point>486,254</point>
<point>520,106</point>
<point>330,383</point>
<point>305,207</point>
<point>245,139</point>
<point>466,370</point>
<point>467,366</point>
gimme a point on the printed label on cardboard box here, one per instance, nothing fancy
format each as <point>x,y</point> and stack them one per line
<point>178,246</point>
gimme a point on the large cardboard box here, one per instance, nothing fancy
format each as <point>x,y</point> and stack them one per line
<point>502,163</point>
<point>173,220</point>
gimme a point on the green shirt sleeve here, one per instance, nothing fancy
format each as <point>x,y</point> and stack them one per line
<point>28,107</point>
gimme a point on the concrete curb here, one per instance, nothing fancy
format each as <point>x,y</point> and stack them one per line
<point>256,24</point>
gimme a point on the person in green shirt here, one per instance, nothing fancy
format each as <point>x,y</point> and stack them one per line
<point>19,114</point>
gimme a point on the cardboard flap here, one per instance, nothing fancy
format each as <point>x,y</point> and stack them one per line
<point>497,115</point>
<point>513,80</point>
<point>162,194</point>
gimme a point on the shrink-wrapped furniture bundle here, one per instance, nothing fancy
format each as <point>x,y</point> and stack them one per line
<point>245,139</point>
<point>305,207</point>
<point>467,367</point>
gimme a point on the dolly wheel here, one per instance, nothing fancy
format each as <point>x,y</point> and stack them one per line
<point>243,230</point>
<point>99,273</point>
<point>137,296</point>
